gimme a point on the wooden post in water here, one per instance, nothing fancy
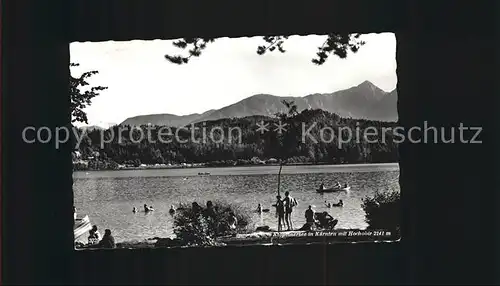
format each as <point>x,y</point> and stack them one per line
<point>279,177</point>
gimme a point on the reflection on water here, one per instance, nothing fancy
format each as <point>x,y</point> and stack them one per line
<point>108,197</point>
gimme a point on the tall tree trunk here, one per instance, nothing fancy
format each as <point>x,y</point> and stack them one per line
<point>279,177</point>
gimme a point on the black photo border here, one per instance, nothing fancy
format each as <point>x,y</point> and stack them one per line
<point>439,244</point>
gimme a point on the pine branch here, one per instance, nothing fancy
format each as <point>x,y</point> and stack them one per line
<point>337,44</point>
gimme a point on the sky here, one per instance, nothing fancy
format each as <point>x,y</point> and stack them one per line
<point>141,81</point>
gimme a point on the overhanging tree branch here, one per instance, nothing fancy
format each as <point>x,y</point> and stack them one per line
<point>338,44</point>
<point>81,99</point>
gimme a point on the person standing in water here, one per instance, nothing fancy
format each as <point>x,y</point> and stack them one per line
<point>290,203</point>
<point>280,212</point>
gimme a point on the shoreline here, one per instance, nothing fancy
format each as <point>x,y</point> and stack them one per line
<point>268,238</point>
<point>153,167</point>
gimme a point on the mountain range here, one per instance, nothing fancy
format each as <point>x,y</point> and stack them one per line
<point>364,101</point>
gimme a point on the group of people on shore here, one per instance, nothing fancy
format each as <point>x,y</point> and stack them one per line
<point>316,220</point>
<point>95,240</point>
<point>284,209</point>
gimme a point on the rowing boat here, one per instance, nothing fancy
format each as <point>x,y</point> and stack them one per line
<point>81,226</point>
<point>333,190</point>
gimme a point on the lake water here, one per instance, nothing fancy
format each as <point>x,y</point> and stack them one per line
<point>108,197</point>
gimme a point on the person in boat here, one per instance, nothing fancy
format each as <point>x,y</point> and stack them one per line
<point>134,210</point>
<point>280,212</point>
<point>107,241</point>
<point>94,235</point>
<point>346,185</point>
<point>290,203</point>
<point>146,208</point>
<point>338,185</point>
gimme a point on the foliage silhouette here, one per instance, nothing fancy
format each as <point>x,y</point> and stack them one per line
<point>81,99</point>
<point>198,226</point>
<point>383,210</point>
<point>339,44</point>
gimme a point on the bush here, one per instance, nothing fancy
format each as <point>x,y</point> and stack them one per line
<point>78,166</point>
<point>196,226</point>
<point>192,228</point>
<point>383,210</point>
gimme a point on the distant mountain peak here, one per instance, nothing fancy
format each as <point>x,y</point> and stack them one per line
<point>366,83</point>
<point>153,114</point>
<point>365,100</point>
<point>369,85</point>
<point>259,95</point>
